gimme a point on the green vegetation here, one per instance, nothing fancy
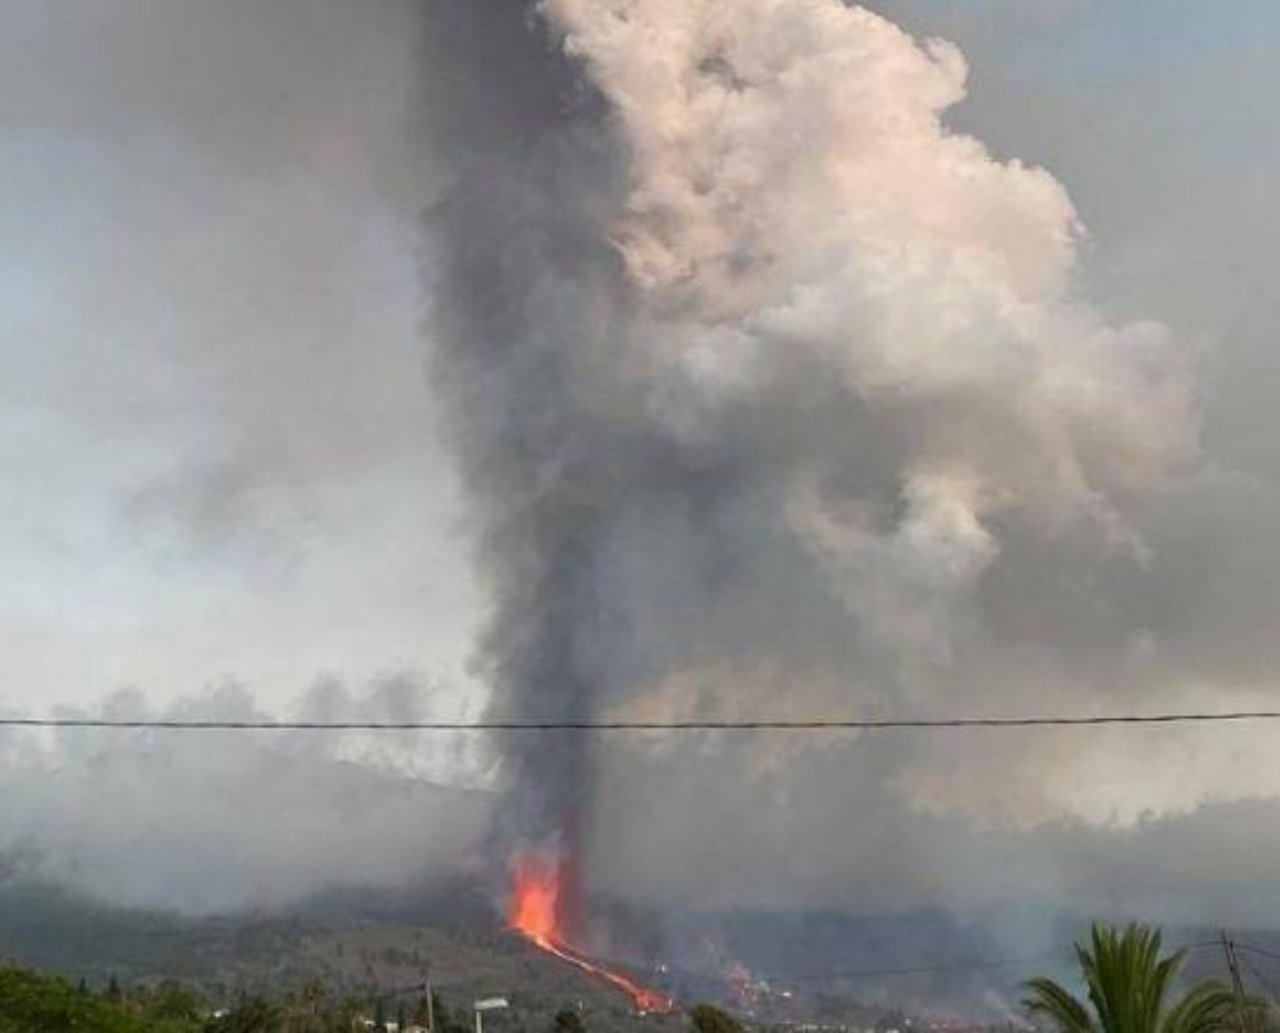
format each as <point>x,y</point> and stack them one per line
<point>706,1018</point>
<point>35,1003</point>
<point>1129,988</point>
<point>31,1003</point>
<point>568,1021</point>
<point>445,1020</point>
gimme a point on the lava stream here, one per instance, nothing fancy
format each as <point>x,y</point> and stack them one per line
<point>534,914</point>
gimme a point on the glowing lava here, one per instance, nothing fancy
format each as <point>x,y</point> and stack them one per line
<point>534,912</point>
<point>535,895</point>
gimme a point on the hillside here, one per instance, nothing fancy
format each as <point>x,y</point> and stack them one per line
<point>351,949</point>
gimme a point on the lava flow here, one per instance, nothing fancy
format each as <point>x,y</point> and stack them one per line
<point>534,913</point>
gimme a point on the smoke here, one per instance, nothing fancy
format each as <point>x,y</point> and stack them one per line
<point>778,397</point>
<point>775,394</point>
<point>211,375</point>
<point>212,822</point>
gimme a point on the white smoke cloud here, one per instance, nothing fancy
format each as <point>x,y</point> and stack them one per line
<point>795,197</point>
<point>874,323</point>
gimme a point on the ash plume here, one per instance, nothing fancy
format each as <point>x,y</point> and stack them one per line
<point>775,397</point>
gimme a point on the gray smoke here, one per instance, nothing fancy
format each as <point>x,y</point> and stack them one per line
<point>517,255</point>
<point>778,398</point>
<point>216,821</point>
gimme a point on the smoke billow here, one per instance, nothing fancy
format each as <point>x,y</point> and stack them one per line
<point>777,397</point>
<point>214,821</point>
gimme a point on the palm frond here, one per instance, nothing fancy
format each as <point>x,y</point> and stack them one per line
<point>1212,1007</point>
<point>1054,1002</point>
<point>1128,984</point>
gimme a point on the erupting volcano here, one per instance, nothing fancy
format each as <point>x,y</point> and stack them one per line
<point>536,912</point>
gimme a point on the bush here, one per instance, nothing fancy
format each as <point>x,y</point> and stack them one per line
<point>30,1002</point>
<point>706,1018</point>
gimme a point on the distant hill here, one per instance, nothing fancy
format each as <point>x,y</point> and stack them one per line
<point>355,943</point>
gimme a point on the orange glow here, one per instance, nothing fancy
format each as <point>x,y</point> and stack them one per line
<point>535,896</point>
<point>534,912</point>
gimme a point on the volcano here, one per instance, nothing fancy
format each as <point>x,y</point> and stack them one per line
<point>540,900</point>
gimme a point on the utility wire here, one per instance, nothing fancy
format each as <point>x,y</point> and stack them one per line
<point>1062,956</point>
<point>1258,950</point>
<point>397,991</point>
<point>978,965</point>
<point>768,725</point>
<point>688,979</point>
<point>1059,956</point>
<point>1266,983</point>
<point>877,973</point>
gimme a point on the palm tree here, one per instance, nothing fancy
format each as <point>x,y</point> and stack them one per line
<point>1129,987</point>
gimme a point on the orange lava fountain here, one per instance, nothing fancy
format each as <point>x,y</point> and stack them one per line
<point>534,914</point>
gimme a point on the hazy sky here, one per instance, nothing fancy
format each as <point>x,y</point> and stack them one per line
<point>220,449</point>
<point>218,456</point>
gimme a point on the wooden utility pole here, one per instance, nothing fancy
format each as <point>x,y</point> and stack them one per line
<point>1237,983</point>
<point>431,1004</point>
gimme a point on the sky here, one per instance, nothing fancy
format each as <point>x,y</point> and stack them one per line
<point>247,460</point>
<point>220,456</point>
<point>219,459</point>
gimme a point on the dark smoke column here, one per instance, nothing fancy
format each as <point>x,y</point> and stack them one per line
<point>522,283</point>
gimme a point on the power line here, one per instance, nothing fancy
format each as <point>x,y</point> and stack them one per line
<point>1061,956</point>
<point>977,965</point>
<point>1266,983</point>
<point>1258,950</point>
<point>877,973</point>
<point>766,725</point>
